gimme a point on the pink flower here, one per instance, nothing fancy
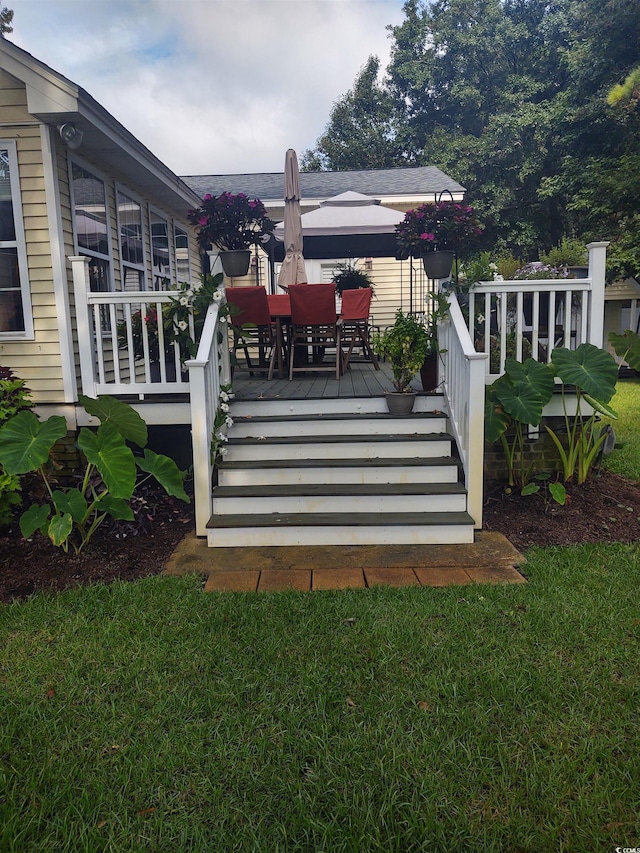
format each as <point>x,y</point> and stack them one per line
<point>202,221</point>
<point>207,196</point>
<point>430,237</point>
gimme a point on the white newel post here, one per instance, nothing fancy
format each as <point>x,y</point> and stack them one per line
<point>597,270</point>
<point>81,287</point>
<point>475,471</point>
<point>201,442</point>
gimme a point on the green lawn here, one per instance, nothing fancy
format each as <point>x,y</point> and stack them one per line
<point>625,459</point>
<point>153,717</point>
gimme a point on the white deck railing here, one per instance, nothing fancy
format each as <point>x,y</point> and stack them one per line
<point>462,372</point>
<point>529,318</point>
<point>118,335</point>
<point>208,372</point>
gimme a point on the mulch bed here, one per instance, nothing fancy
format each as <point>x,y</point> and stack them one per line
<point>605,509</point>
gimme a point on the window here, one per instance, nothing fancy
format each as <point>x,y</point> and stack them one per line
<point>15,305</point>
<point>92,225</point>
<point>131,244</point>
<point>160,251</point>
<point>183,264</point>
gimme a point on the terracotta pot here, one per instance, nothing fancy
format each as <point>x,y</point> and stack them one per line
<point>438,264</point>
<point>400,403</point>
<point>429,372</point>
<point>235,263</point>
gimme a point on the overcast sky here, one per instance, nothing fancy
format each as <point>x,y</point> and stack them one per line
<point>211,86</point>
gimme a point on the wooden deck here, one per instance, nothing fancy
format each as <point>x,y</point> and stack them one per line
<point>360,380</point>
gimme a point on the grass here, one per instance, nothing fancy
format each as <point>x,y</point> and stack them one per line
<point>153,717</point>
<point>625,459</point>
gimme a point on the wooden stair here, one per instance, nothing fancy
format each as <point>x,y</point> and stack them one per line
<point>338,472</point>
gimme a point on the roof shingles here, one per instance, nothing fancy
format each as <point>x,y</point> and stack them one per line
<point>383,183</point>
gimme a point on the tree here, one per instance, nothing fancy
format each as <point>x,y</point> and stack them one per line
<point>360,133</point>
<point>509,97</point>
<point>6,17</point>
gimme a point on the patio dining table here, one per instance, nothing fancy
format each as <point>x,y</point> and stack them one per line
<point>280,310</point>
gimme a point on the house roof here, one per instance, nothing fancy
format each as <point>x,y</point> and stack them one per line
<point>55,100</point>
<point>421,183</point>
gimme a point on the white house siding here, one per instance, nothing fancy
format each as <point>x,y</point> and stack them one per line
<point>36,361</point>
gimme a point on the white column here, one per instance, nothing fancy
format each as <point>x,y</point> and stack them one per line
<point>201,427</point>
<point>84,324</point>
<point>597,270</point>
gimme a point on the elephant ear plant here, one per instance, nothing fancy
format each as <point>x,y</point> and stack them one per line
<point>109,480</point>
<point>517,399</point>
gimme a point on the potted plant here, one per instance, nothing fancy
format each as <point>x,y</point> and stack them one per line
<point>571,255</point>
<point>405,345</point>
<point>233,224</point>
<point>437,233</point>
<point>349,277</point>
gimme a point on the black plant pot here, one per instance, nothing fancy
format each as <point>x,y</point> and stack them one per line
<point>438,264</point>
<point>429,372</point>
<point>235,263</point>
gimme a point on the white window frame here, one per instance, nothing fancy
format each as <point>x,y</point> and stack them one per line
<point>20,244</point>
<point>184,229</point>
<point>81,250</point>
<point>171,277</point>
<point>128,265</point>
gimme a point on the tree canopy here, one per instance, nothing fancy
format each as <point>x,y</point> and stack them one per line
<point>512,99</point>
<point>6,17</point>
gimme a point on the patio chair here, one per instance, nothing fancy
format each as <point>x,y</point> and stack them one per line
<point>313,325</point>
<point>252,329</point>
<point>354,325</point>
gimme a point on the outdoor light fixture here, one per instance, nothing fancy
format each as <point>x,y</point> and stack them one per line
<point>71,135</point>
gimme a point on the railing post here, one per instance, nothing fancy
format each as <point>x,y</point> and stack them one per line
<point>201,442</point>
<point>475,448</point>
<point>84,324</point>
<point>597,270</point>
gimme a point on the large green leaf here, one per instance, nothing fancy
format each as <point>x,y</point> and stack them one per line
<point>107,450</point>
<point>627,346</point>
<point>116,507</point>
<point>119,415</point>
<point>71,502</point>
<point>495,419</point>
<point>166,473</point>
<point>537,374</point>
<point>34,519</point>
<point>522,401</point>
<point>60,528</point>
<point>589,368</point>
<point>601,408</point>
<point>25,441</point>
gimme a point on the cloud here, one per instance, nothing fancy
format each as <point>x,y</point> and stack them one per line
<point>212,86</point>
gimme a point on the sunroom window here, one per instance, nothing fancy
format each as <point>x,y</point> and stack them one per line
<point>160,251</point>
<point>131,242</point>
<point>15,307</point>
<point>92,226</point>
<point>183,264</point>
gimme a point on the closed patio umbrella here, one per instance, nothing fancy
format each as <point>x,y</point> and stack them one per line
<point>292,270</point>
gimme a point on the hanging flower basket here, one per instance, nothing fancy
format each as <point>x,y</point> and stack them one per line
<point>235,263</point>
<point>438,264</point>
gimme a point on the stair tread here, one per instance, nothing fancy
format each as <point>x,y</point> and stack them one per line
<point>355,489</point>
<point>379,462</point>
<point>337,519</point>
<point>335,416</point>
<point>339,439</point>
